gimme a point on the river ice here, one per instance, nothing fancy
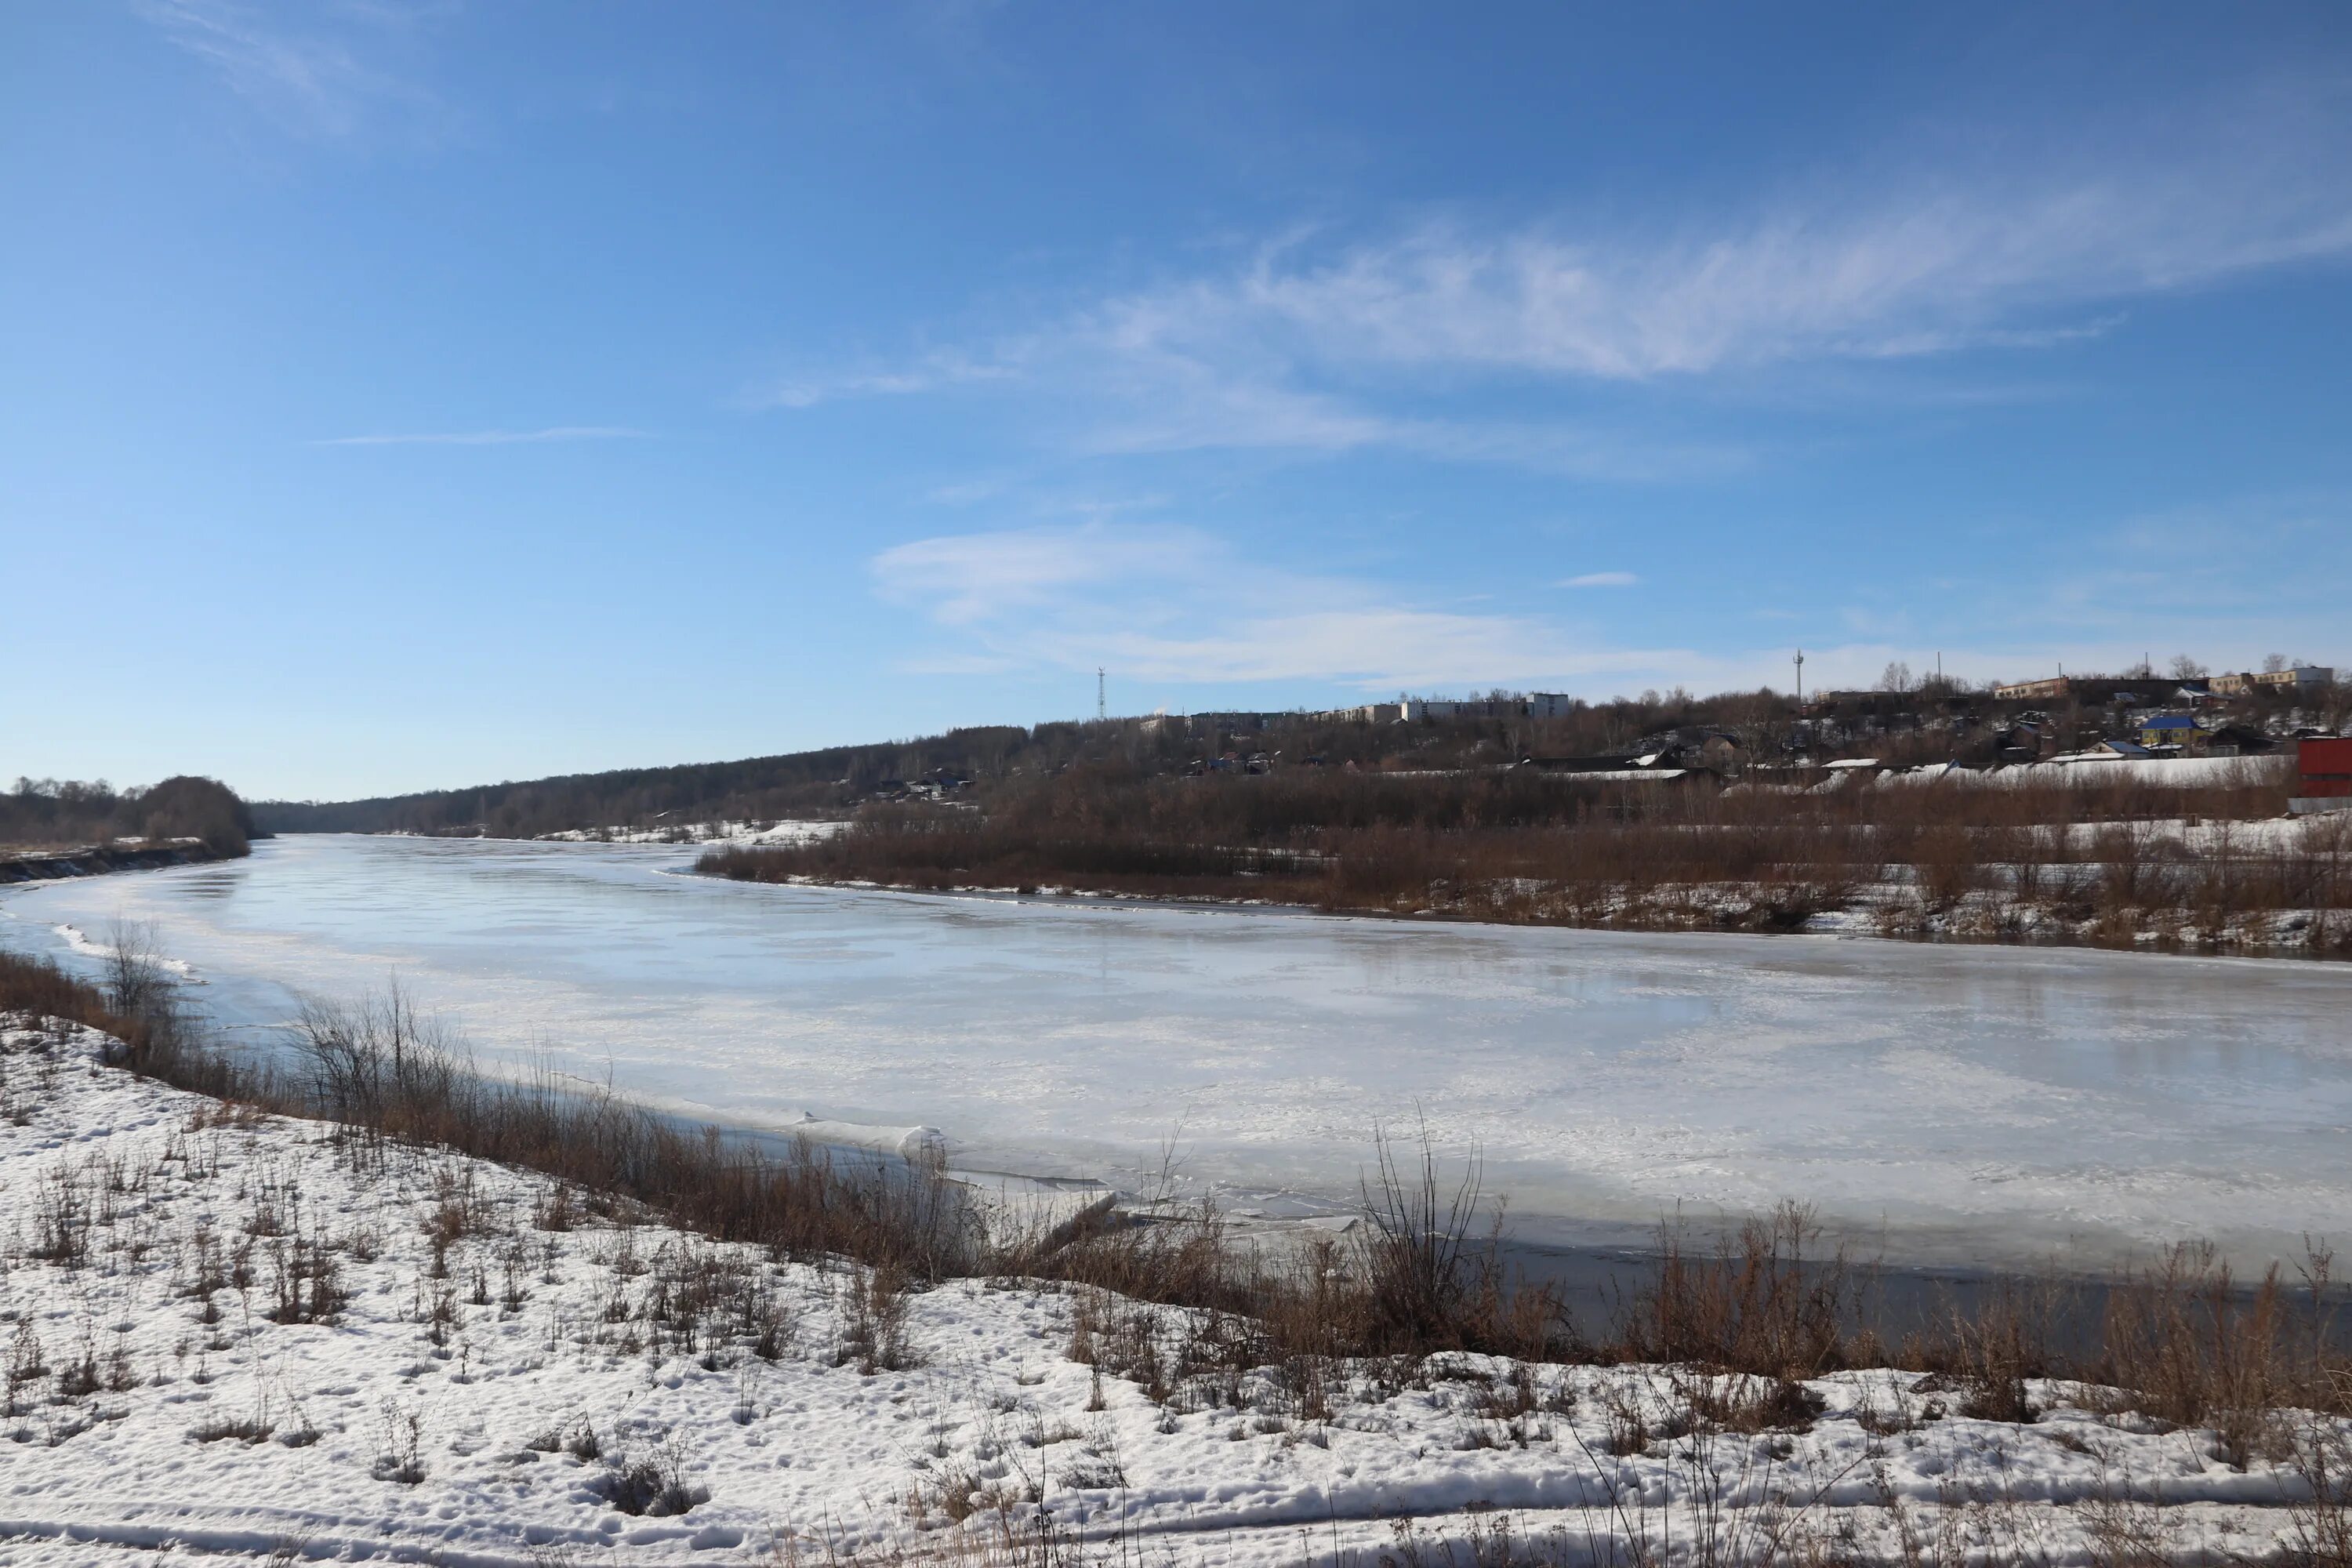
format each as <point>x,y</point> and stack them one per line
<point>1965,1103</point>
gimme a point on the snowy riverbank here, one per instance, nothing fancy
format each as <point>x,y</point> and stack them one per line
<point>45,865</point>
<point>244,1336</point>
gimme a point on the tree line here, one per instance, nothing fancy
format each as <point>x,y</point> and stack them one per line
<point>69,813</point>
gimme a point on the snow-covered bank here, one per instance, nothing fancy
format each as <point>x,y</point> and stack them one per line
<point>742,834</point>
<point>97,859</point>
<point>245,1335</point>
<point>81,941</point>
<point>2265,887</point>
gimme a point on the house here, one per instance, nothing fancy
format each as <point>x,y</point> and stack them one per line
<point>2323,775</point>
<point>1539,705</point>
<point>2238,741</point>
<point>1214,724</point>
<point>2296,677</point>
<point>1847,773</point>
<point>2108,751</point>
<point>2168,730</point>
<point>2029,690</point>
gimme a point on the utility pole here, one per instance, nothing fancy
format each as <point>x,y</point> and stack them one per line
<point>1102,702</point>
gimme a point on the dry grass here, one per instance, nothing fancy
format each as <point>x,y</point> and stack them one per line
<point>1516,846</point>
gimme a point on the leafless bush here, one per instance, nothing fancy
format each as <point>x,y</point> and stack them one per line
<point>655,1486</point>
<point>402,1458</point>
<point>1759,1305</point>
<point>2322,1458</point>
<point>873,1323</point>
<point>306,1284</point>
<point>2196,1350</point>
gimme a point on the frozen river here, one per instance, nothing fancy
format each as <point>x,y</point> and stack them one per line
<point>1969,1102</point>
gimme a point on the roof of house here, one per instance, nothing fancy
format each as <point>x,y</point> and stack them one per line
<point>2169,722</point>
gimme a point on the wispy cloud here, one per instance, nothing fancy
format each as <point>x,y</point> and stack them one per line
<point>315,78</point>
<point>1414,339</point>
<point>1171,603</point>
<point>931,373</point>
<point>492,438</point>
<point>984,579</point>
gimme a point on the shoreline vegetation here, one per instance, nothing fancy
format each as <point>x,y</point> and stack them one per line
<point>1923,809</point>
<point>51,829</point>
<point>2122,863</point>
<point>1422,1274</point>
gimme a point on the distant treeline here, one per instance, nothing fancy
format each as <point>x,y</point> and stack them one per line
<point>799,783</point>
<point>839,779</point>
<point>1907,724</point>
<point>48,812</point>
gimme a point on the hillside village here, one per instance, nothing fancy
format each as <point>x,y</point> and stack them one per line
<point>1761,739</point>
<point>1764,739</point>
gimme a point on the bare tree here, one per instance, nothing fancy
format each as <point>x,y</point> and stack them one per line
<point>138,984</point>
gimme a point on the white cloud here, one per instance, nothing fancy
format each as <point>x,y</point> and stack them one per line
<point>1601,580</point>
<point>1375,647</point>
<point>1174,605</point>
<point>977,579</point>
<point>491,437</point>
<point>1912,272</point>
<point>1171,603</point>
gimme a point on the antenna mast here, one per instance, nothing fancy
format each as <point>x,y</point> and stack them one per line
<point>1801,678</point>
<point>1102,705</point>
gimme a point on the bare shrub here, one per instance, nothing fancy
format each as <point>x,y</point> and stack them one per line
<point>2197,1350</point>
<point>1759,1306</point>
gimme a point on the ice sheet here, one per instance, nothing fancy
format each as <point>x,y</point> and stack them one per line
<point>1978,1104</point>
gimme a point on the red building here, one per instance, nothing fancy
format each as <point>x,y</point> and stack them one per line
<point>2324,774</point>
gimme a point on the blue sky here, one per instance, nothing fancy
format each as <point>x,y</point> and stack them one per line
<point>412,395</point>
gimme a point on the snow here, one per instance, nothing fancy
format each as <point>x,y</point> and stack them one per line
<point>79,941</point>
<point>1620,776</point>
<point>741,834</point>
<point>989,1400</point>
<point>2106,768</point>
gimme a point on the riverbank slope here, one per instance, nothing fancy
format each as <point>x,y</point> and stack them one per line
<point>53,864</point>
<point>336,1343</point>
